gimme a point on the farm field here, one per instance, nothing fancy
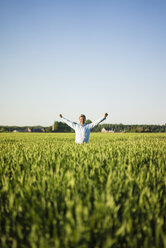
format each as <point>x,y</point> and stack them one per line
<point>108,193</point>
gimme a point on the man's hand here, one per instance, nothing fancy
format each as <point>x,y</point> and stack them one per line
<point>105,115</point>
<point>60,116</point>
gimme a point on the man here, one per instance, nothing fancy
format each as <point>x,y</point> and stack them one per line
<point>82,130</point>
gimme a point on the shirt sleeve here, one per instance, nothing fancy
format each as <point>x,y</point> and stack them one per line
<point>95,123</point>
<point>69,123</point>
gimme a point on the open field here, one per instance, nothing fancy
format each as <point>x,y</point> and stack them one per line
<point>108,193</point>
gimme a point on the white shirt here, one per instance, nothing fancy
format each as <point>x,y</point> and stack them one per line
<point>82,132</point>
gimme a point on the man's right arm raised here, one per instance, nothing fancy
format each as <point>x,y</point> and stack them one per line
<point>69,123</point>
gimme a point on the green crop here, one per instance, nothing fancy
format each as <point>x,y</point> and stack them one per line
<point>110,192</point>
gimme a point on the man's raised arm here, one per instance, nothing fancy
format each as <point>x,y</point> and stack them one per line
<point>95,123</point>
<point>69,123</point>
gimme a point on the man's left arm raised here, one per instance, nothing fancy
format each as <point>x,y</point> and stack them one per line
<point>95,123</point>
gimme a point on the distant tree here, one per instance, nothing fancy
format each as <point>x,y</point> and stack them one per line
<point>88,121</point>
<point>48,129</point>
<point>62,127</point>
<point>56,126</point>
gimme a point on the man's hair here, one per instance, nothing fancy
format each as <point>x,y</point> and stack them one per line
<point>83,116</point>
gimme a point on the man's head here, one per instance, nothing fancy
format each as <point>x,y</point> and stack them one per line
<point>82,119</point>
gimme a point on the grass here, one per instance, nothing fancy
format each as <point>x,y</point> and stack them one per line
<point>110,192</point>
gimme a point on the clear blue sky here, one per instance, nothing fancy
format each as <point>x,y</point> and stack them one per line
<point>82,56</point>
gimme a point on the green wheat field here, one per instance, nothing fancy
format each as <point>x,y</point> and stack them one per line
<point>108,193</point>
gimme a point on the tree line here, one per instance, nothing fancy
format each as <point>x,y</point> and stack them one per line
<point>132,128</point>
<point>63,127</point>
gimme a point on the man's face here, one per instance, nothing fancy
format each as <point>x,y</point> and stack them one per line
<point>82,120</point>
